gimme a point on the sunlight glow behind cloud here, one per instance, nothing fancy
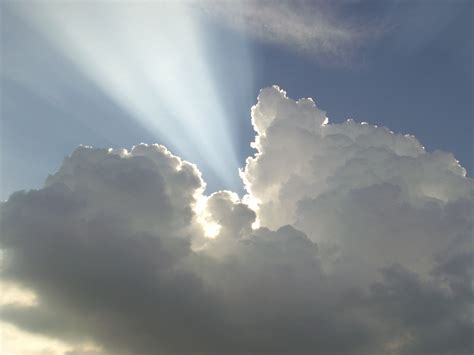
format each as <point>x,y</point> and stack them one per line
<point>150,59</point>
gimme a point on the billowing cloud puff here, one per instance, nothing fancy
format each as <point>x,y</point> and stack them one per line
<point>351,239</point>
<point>363,193</point>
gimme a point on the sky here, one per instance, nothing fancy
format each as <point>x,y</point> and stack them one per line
<point>408,67</point>
<point>236,177</point>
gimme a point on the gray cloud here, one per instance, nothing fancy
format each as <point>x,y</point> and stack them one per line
<point>428,318</point>
<point>364,246</point>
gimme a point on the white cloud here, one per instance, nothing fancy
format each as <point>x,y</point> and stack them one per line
<point>355,187</point>
<point>364,246</point>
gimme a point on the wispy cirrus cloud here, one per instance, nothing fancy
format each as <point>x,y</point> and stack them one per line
<point>312,27</point>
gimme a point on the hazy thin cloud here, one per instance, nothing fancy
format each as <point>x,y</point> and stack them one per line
<point>309,27</point>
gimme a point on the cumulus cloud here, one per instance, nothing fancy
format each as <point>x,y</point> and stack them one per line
<point>351,239</point>
<point>356,189</point>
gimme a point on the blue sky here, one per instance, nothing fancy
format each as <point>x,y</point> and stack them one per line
<point>409,68</point>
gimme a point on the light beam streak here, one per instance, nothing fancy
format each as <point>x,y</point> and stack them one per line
<point>149,58</point>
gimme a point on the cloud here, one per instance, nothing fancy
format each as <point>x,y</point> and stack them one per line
<point>364,246</point>
<point>338,32</point>
<point>312,27</point>
<point>356,188</point>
